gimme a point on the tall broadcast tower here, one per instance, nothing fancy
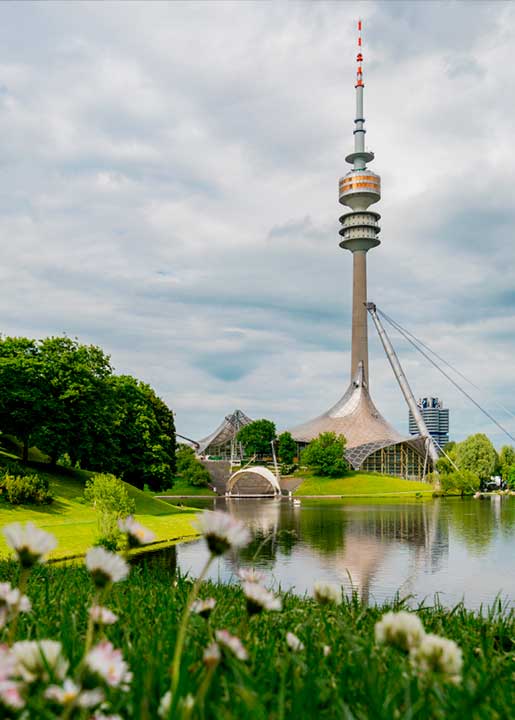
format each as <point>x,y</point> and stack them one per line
<point>373,445</point>
<point>359,189</point>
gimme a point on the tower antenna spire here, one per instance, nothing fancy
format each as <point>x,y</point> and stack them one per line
<point>359,159</point>
<point>359,58</point>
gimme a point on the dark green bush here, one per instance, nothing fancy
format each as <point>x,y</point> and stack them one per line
<point>110,497</point>
<point>196,475</point>
<point>26,489</point>
<point>326,455</point>
<point>464,482</point>
<point>288,468</point>
<point>184,457</point>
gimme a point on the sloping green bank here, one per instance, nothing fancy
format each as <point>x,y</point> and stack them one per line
<point>74,523</point>
<point>360,484</point>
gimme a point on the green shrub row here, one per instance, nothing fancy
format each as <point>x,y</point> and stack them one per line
<point>21,489</point>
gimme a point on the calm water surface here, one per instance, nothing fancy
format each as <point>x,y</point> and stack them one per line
<point>460,549</point>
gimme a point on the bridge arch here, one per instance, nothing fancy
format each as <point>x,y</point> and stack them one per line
<point>253,481</point>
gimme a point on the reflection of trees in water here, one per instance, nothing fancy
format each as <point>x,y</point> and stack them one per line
<point>323,528</point>
<point>507,515</point>
<point>477,522</point>
<point>272,525</point>
<point>163,559</point>
<point>350,539</point>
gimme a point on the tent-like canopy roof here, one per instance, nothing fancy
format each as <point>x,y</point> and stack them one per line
<point>356,418</point>
<point>225,432</point>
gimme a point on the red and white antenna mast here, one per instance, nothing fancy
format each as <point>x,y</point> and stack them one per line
<point>359,58</point>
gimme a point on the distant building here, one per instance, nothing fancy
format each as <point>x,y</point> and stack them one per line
<point>436,418</point>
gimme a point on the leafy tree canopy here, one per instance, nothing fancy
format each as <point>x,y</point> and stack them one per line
<point>465,482</point>
<point>287,448</point>
<point>478,455</point>
<point>325,455</point>
<point>62,396</point>
<point>257,436</point>
<point>506,460</point>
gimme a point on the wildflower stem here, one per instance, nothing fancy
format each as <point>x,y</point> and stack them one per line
<point>181,635</point>
<point>204,687</point>
<point>24,576</point>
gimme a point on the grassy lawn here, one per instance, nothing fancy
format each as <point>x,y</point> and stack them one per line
<point>356,483</point>
<point>356,680</point>
<point>181,487</point>
<point>74,523</point>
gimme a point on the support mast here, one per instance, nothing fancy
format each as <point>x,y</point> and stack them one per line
<point>403,383</point>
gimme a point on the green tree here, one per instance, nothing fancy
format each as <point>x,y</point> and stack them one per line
<point>23,395</point>
<point>325,455</point>
<point>191,469</point>
<point>510,479</point>
<point>478,455</point>
<point>196,474</point>
<point>79,408</point>
<point>184,457</point>
<point>257,436</point>
<point>287,448</point>
<point>142,435</point>
<point>506,460</point>
<point>110,498</point>
<point>465,482</point>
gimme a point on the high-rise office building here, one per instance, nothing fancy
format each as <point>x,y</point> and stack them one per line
<point>436,418</point>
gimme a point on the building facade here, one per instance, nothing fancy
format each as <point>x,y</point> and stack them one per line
<point>436,418</point>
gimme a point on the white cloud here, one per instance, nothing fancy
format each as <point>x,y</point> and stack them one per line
<point>169,191</point>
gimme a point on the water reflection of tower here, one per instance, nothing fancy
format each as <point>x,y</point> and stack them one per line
<point>373,533</point>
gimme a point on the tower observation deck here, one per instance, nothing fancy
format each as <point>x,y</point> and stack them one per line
<point>372,443</point>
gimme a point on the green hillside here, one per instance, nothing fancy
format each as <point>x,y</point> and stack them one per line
<point>74,523</point>
<point>360,484</point>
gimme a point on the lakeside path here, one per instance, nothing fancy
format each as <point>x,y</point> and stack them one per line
<point>74,523</point>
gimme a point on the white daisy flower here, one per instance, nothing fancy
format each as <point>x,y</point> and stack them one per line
<point>35,658</point>
<point>10,690</point>
<point>294,643</point>
<point>107,662</point>
<point>11,694</point>
<point>402,629</point>
<point>232,643</point>
<point>102,615</point>
<point>105,567</point>
<point>165,705</point>
<point>327,650</point>
<point>212,655</point>
<point>222,531</point>
<point>11,602</point>
<point>203,607</point>
<point>7,663</point>
<point>327,593</point>
<point>101,716</point>
<point>64,694</point>
<point>439,655</point>
<point>259,598</point>
<point>251,575</point>
<point>136,533</point>
<point>29,543</point>
<point>71,694</point>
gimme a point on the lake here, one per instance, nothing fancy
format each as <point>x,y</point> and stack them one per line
<point>460,549</point>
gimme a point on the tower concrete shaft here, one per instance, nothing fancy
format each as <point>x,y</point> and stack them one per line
<point>359,315</point>
<point>359,189</point>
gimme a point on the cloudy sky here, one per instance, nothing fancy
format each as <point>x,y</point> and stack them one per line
<point>168,190</point>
